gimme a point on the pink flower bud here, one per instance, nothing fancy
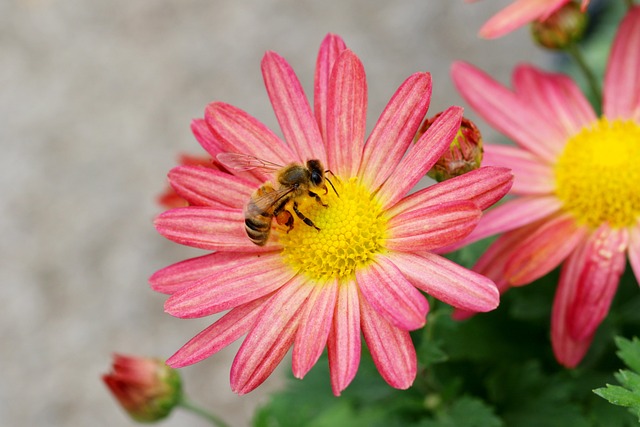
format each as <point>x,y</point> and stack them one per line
<point>464,154</point>
<point>563,28</point>
<point>145,387</point>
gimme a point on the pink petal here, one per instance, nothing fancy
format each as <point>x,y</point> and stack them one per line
<point>483,187</point>
<point>182,274</point>
<point>506,112</point>
<point>432,227</point>
<point>492,262</point>
<point>259,276</point>
<point>203,186</point>
<point>270,338</point>
<point>421,156</point>
<point>330,49</point>
<point>509,216</point>
<point>292,109</point>
<point>544,249</point>
<point>315,324</point>
<point>597,280</point>
<point>531,176</point>
<point>447,281</point>
<point>346,115</point>
<point>391,348</point>
<point>203,135</point>
<point>391,295</point>
<point>344,339</point>
<point>395,129</point>
<point>556,97</point>
<point>516,15</point>
<point>622,76</point>
<point>223,332</point>
<point>208,228</point>
<point>634,250</point>
<point>568,351</point>
<point>240,132</point>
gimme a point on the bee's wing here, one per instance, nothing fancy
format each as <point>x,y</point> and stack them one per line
<point>267,199</point>
<point>245,162</point>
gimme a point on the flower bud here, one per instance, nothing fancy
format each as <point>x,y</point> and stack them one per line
<point>464,154</point>
<point>563,28</point>
<point>145,387</point>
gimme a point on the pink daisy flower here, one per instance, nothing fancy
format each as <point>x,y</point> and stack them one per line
<point>576,185</point>
<point>520,13</point>
<point>363,271</point>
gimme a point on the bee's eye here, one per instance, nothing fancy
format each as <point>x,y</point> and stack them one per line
<point>316,178</point>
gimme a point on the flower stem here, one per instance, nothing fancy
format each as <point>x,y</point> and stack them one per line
<point>188,405</point>
<point>576,54</point>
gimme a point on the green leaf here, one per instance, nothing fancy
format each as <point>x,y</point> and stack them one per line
<point>629,352</point>
<point>627,395</point>
<point>619,396</point>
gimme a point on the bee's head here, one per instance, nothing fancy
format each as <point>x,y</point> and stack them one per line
<point>317,172</point>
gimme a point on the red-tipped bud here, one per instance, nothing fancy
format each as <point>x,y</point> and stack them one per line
<point>464,154</point>
<point>563,28</point>
<point>145,387</point>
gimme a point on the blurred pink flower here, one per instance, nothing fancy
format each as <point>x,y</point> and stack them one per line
<point>520,13</point>
<point>576,185</point>
<point>363,272</point>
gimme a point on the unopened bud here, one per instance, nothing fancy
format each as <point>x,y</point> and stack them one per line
<point>464,153</point>
<point>563,28</point>
<point>145,387</point>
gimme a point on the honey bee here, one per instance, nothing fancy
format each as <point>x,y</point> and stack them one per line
<point>277,200</point>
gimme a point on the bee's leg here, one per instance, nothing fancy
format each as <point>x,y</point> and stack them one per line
<point>302,217</point>
<point>318,199</point>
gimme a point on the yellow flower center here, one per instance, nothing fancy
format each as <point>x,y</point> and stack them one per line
<point>598,174</point>
<point>352,230</point>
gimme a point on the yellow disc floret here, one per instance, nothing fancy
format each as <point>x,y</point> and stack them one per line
<point>352,230</point>
<point>598,174</point>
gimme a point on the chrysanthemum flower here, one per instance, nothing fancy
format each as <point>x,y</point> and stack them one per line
<point>519,13</point>
<point>362,272</point>
<point>577,184</point>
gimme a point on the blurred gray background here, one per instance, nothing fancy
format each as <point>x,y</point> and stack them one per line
<point>95,104</point>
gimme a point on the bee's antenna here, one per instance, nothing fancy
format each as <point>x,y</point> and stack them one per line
<point>331,183</point>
